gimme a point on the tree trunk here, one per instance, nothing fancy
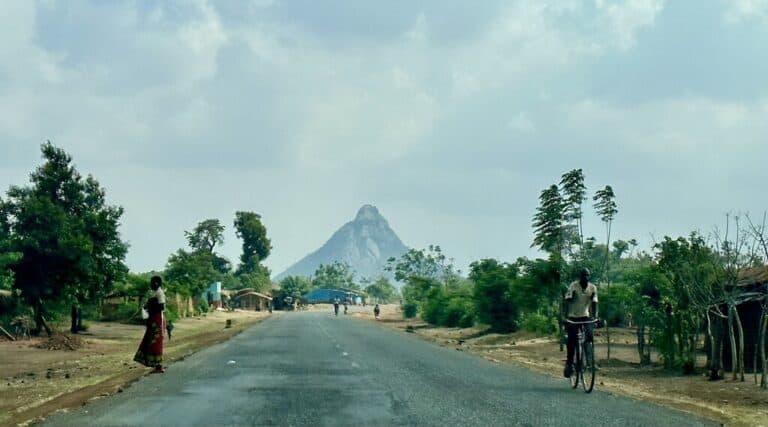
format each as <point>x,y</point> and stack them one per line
<point>40,323</point>
<point>764,363</point>
<point>741,342</point>
<point>73,315</point>
<point>641,344</point>
<point>732,338</point>
<point>715,348</point>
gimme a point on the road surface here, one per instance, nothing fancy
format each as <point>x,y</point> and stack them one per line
<point>315,369</point>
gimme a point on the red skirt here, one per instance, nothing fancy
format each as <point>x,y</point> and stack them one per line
<point>150,351</point>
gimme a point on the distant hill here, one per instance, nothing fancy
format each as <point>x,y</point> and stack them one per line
<point>364,243</point>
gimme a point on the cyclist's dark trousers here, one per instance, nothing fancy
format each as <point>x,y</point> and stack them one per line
<point>573,335</point>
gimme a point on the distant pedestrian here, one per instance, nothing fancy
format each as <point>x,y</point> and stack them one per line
<point>169,328</point>
<point>150,352</point>
<point>376,311</point>
<point>336,306</point>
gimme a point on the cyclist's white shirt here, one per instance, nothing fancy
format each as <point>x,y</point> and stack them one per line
<point>582,298</point>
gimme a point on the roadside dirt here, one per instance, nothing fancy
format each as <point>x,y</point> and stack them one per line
<point>35,382</point>
<point>728,402</point>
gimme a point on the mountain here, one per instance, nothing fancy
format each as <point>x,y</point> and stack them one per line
<point>364,243</point>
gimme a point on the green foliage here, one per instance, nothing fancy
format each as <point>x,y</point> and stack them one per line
<point>202,306</point>
<point>549,220</point>
<point>256,245</point>
<point>206,235</point>
<point>493,300</point>
<point>190,273</point>
<point>410,310</point>
<point>616,303</point>
<point>428,263</point>
<point>294,287</point>
<point>65,232</point>
<point>381,290</point>
<point>127,312</point>
<point>337,275</point>
<point>539,324</point>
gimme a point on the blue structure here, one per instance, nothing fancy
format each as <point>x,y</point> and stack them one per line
<point>213,295</point>
<point>319,296</point>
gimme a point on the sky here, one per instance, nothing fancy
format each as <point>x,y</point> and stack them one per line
<point>450,116</point>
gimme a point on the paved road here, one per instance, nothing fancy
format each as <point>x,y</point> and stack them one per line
<point>314,369</point>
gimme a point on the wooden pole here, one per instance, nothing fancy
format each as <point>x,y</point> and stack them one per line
<point>7,335</point>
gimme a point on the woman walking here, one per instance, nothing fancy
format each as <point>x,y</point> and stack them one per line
<point>150,351</point>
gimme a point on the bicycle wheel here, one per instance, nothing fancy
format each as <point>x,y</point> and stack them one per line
<point>590,370</point>
<point>576,368</point>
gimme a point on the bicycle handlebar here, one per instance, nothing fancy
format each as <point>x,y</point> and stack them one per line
<point>582,323</point>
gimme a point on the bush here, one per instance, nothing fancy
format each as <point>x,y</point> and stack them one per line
<point>616,303</point>
<point>202,306</point>
<point>539,324</point>
<point>410,309</point>
<point>123,312</point>
<point>457,310</point>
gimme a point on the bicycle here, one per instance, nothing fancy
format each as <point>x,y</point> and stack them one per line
<point>583,359</point>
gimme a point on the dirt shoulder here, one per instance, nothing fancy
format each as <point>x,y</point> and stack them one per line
<point>35,382</point>
<point>728,402</point>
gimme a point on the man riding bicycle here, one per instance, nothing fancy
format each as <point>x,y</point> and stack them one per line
<point>579,305</point>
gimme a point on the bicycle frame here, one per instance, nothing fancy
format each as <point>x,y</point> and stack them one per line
<point>584,358</point>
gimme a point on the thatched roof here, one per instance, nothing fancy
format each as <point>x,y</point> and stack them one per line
<point>258,294</point>
<point>753,276</point>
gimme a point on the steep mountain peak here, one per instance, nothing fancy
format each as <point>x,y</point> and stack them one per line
<point>368,213</point>
<point>364,243</point>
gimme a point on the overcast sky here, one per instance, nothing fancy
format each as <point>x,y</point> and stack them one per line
<point>449,116</point>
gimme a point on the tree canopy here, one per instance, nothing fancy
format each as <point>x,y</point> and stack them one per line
<point>64,233</point>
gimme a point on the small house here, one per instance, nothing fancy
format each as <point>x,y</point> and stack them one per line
<point>248,299</point>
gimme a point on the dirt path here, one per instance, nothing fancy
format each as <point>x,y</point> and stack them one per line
<point>36,382</point>
<point>729,402</point>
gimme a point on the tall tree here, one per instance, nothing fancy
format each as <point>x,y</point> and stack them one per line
<point>256,245</point>
<point>206,235</point>
<point>548,221</point>
<point>605,206</point>
<point>574,194</point>
<point>66,234</point>
<point>337,275</point>
<point>190,273</point>
<point>381,290</point>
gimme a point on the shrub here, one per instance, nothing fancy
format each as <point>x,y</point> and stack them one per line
<point>123,312</point>
<point>539,324</point>
<point>457,309</point>
<point>202,306</point>
<point>410,309</point>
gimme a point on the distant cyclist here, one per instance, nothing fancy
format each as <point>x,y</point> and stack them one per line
<point>336,306</point>
<point>376,311</point>
<point>346,306</point>
<point>579,305</point>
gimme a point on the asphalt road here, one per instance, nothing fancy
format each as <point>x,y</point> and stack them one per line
<point>315,369</point>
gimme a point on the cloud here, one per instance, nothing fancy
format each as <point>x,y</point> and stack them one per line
<point>744,10</point>
<point>449,115</point>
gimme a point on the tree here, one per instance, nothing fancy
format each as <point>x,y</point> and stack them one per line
<point>337,275</point>
<point>494,302</point>
<point>428,263</point>
<point>548,222</point>
<point>381,290</point>
<point>294,287</point>
<point>574,194</point>
<point>190,273</point>
<point>606,209</point>
<point>206,235</point>
<point>256,245</point>
<point>66,234</point>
